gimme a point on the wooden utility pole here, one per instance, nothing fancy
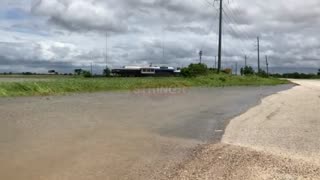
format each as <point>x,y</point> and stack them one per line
<point>106,50</point>
<point>258,41</point>
<point>245,61</point>
<point>220,38</point>
<point>91,70</point>
<point>236,68</point>
<point>163,50</point>
<point>267,64</point>
<point>215,62</point>
<point>200,55</point>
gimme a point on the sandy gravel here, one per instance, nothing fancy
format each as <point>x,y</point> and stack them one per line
<point>278,139</point>
<point>286,124</point>
<point>228,162</point>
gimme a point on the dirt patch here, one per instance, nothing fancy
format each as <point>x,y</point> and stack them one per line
<point>230,162</point>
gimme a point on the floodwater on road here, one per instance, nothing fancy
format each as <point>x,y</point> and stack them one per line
<point>114,135</point>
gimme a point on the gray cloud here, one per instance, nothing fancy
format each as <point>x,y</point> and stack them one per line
<point>141,30</point>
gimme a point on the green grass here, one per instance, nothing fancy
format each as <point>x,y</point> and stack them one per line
<point>19,76</point>
<point>62,86</point>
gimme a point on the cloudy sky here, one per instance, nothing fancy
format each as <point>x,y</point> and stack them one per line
<point>39,35</point>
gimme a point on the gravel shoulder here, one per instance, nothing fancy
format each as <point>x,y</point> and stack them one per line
<point>286,124</point>
<point>278,139</point>
<point>229,162</point>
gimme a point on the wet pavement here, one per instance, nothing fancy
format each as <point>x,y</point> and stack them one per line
<point>133,135</point>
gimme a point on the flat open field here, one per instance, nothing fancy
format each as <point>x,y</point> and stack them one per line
<point>59,85</point>
<point>103,136</point>
<point>8,80</point>
<point>29,78</point>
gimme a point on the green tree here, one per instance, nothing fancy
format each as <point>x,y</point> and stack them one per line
<point>78,71</point>
<point>319,72</point>
<point>107,72</point>
<point>194,70</point>
<point>248,70</point>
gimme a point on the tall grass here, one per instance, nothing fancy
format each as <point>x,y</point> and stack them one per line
<point>72,85</point>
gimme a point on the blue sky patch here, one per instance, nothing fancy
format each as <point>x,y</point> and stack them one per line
<point>16,14</point>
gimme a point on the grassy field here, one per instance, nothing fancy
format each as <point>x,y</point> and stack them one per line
<point>18,76</point>
<point>61,86</point>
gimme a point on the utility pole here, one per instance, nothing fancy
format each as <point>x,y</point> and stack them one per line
<point>106,50</point>
<point>163,50</point>
<point>258,41</point>
<point>215,62</point>
<point>91,70</point>
<point>267,64</point>
<point>245,61</point>
<point>220,38</point>
<point>200,55</point>
<point>236,68</point>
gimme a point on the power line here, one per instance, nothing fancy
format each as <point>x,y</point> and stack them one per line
<point>236,13</point>
<point>211,25</point>
<point>238,32</point>
<point>234,30</point>
<point>232,21</point>
<point>242,49</point>
<point>209,4</point>
<point>232,16</point>
<point>238,29</point>
<point>235,33</point>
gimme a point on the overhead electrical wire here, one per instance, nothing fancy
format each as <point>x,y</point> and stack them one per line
<point>234,31</point>
<point>231,24</point>
<point>231,16</point>
<point>212,25</point>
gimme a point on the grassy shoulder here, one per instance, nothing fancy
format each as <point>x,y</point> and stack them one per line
<point>72,85</point>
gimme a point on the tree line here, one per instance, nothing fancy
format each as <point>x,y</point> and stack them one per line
<point>192,70</point>
<point>297,75</point>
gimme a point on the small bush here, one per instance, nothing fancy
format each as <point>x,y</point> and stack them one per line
<point>185,72</point>
<point>263,74</point>
<point>222,79</point>
<point>194,70</point>
<point>86,74</point>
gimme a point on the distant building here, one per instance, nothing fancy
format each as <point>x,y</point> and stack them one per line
<point>137,71</point>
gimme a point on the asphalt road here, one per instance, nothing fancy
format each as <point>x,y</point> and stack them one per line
<point>105,136</point>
